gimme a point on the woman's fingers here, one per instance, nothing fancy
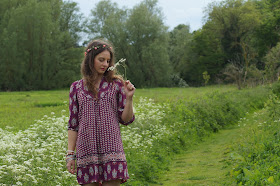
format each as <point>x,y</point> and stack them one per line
<point>129,85</point>
<point>71,167</point>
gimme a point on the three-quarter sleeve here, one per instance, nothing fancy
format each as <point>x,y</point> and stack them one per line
<point>121,104</point>
<point>73,123</point>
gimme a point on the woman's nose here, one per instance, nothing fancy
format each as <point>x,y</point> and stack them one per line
<point>105,63</point>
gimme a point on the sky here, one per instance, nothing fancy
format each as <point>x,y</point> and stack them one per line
<point>175,11</point>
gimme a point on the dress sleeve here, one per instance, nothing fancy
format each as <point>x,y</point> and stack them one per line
<point>121,104</point>
<point>73,123</point>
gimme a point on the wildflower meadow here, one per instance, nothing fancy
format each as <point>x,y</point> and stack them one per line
<point>162,129</point>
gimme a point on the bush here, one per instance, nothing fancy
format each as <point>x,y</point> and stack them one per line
<point>276,88</point>
<point>260,149</point>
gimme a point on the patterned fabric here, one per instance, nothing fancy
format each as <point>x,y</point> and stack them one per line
<point>102,172</point>
<point>99,145</point>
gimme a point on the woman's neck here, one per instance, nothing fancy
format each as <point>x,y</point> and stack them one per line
<point>98,81</point>
<point>99,78</point>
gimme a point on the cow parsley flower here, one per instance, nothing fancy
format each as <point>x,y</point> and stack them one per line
<point>111,68</point>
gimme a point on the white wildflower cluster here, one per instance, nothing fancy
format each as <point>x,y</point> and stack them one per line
<point>35,156</point>
<point>111,68</point>
<point>147,126</point>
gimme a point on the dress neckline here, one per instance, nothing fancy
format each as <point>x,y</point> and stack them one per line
<point>103,87</point>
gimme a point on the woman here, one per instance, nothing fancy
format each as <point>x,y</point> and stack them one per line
<point>98,103</point>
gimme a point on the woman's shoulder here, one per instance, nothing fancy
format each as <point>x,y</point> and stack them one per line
<point>77,84</point>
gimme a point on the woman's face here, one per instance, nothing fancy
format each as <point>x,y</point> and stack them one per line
<point>101,62</point>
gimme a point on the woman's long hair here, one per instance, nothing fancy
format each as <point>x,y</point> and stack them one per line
<point>87,67</point>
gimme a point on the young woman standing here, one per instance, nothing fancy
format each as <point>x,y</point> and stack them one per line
<point>98,103</point>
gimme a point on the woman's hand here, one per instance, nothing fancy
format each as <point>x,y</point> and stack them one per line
<point>71,167</point>
<point>129,89</point>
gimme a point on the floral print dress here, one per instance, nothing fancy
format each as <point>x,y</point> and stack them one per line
<point>99,148</point>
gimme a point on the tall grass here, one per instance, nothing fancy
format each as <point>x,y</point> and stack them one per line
<point>186,123</point>
<point>256,159</point>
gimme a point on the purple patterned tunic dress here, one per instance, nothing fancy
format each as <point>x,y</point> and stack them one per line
<point>99,148</point>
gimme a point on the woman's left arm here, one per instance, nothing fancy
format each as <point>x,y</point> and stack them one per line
<point>129,90</point>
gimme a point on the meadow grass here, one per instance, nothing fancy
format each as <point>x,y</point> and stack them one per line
<point>243,154</point>
<point>255,157</point>
<point>170,123</point>
<point>160,95</point>
<point>18,110</point>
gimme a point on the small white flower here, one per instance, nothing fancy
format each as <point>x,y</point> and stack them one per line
<point>111,68</point>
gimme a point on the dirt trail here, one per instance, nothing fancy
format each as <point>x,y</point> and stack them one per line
<point>205,164</point>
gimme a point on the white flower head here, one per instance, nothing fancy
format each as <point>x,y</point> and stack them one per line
<point>111,68</point>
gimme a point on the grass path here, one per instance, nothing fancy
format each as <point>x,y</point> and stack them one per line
<point>206,163</point>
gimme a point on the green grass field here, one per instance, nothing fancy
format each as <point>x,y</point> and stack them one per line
<point>18,110</point>
<point>175,127</point>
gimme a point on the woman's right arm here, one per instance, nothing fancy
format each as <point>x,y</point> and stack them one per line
<point>72,138</point>
<point>73,125</point>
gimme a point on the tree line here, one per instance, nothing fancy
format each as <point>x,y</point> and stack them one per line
<point>40,43</point>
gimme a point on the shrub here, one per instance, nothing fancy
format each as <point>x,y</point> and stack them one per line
<point>260,149</point>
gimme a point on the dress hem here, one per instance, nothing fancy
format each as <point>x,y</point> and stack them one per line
<point>98,173</point>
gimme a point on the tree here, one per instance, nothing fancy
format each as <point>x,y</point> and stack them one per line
<point>36,53</point>
<point>267,33</point>
<point>139,36</point>
<point>272,61</point>
<point>70,20</point>
<point>205,55</point>
<point>108,21</point>
<point>148,42</point>
<point>232,23</point>
<point>179,46</point>
<point>98,17</point>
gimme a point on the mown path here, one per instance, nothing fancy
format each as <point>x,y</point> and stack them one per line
<point>206,163</point>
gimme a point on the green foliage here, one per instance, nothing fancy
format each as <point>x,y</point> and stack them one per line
<point>38,44</point>
<point>267,34</point>
<point>148,60</point>
<point>40,50</point>
<point>276,88</point>
<point>22,108</point>
<point>206,77</point>
<point>272,61</point>
<point>206,55</point>
<point>179,48</point>
<point>255,76</point>
<point>234,21</point>
<point>177,81</point>
<point>187,123</point>
<point>160,131</point>
<point>259,148</point>
<point>139,36</point>
<point>237,34</point>
<point>227,36</point>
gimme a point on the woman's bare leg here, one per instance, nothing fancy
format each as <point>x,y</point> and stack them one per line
<point>92,184</point>
<point>112,183</point>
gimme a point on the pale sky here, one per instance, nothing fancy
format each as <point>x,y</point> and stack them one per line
<point>175,11</point>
